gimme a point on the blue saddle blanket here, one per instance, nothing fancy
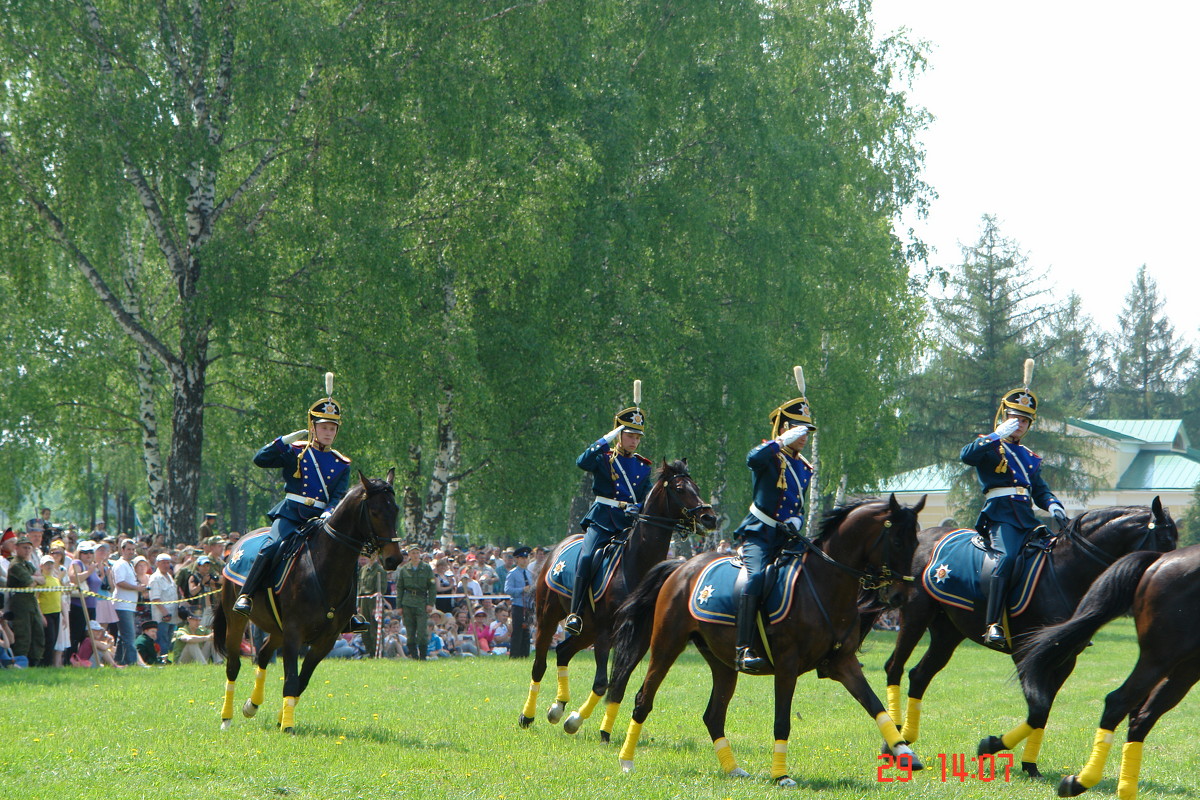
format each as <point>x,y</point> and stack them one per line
<point>561,575</point>
<point>244,553</point>
<point>713,599</point>
<point>952,575</point>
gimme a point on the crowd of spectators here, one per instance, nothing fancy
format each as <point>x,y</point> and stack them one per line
<point>141,601</point>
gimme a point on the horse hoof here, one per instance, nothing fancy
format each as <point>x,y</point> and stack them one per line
<point>626,766</point>
<point>1030,768</point>
<point>605,737</point>
<point>290,731</point>
<point>524,721</point>
<point>785,782</point>
<point>226,724</point>
<point>990,746</point>
<point>573,723</point>
<point>905,757</point>
<point>1070,787</point>
<point>555,712</point>
<point>738,772</point>
<point>249,709</point>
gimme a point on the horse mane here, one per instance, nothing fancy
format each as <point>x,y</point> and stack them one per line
<point>1098,518</point>
<point>836,516</point>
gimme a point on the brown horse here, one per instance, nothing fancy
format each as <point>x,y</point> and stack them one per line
<point>1163,593</point>
<point>673,505</point>
<point>316,600</point>
<point>1090,544</point>
<point>863,545</point>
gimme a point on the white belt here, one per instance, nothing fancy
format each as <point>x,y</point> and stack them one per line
<point>765,518</point>
<point>608,501</point>
<point>307,501</point>
<point>1020,491</point>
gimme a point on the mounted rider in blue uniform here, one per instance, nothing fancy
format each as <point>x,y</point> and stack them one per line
<point>781,477</point>
<point>1010,475</point>
<point>315,478</point>
<point>621,481</point>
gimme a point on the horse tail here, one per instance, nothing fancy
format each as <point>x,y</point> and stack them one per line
<point>218,628</point>
<point>1109,597</point>
<point>634,621</point>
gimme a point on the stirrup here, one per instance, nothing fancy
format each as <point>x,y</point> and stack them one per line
<point>358,624</point>
<point>994,638</point>
<point>244,605</point>
<point>750,662</point>
<point>573,624</point>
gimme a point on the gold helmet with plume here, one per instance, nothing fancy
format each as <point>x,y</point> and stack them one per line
<point>1020,401</point>
<point>796,411</point>
<point>632,418</point>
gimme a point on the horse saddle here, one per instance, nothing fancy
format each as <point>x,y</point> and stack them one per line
<point>246,550</point>
<point>961,563</point>
<point>605,563</point>
<point>714,598</point>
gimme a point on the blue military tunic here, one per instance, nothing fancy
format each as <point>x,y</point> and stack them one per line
<point>1007,517</point>
<point>773,503</point>
<point>631,485</point>
<point>324,478</point>
<point>785,504</point>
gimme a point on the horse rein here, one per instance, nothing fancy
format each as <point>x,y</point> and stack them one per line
<point>367,548</point>
<point>868,580</point>
<point>1097,554</point>
<point>689,524</point>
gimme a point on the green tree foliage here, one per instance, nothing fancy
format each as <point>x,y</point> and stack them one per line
<point>995,314</point>
<point>1149,363</point>
<point>487,220</point>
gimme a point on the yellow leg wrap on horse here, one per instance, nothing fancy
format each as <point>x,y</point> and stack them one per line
<point>893,702</point>
<point>1033,746</point>
<point>631,739</point>
<point>1093,770</point>
<point>779,759</point>
<point>888,729</point>
<point>912,721</point>
<point>227,708</point>
<point>1016,735</point>
<point>564,686</point>
<point>610,717</point>
<point>724,754</point>
<point>585,710</point>
<point>288,720</point>
<point>531,701</point>
<point>260,685</point>
<point>1131,765</point>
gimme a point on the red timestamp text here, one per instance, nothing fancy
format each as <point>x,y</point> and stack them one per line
<point>954,766</point>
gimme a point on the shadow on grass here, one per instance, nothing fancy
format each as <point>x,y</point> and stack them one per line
<point>376,734</point>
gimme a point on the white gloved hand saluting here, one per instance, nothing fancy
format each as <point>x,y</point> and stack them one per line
<point>1006,428</point>
<point>791,435</point>
<point>294,436</point>
<point>612,436</point>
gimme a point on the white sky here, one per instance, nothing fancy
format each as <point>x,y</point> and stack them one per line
<point>1075,124</point>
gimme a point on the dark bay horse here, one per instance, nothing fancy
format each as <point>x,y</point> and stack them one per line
<point>673,505</point>
<point>863,545</point>
<point>1163,591</point>
<point>1089,545</point>
<point>316,600</point>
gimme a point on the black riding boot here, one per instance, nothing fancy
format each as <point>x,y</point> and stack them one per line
<point>993,637</point>
<point>746,659</point>
<point>245,602</point>
<point>583,580</point>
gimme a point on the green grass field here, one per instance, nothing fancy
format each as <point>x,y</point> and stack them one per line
<point>448,729</point>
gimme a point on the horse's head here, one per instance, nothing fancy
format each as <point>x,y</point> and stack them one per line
<point>885,533</point>
<point>676,497</point>
<point>1118,530</point>
<point>373,516</point>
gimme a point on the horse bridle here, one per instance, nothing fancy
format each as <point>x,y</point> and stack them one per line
<point>1098,555</point>
<point>370,546</point>
<point>870,580</point>
<point>687,526</point>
